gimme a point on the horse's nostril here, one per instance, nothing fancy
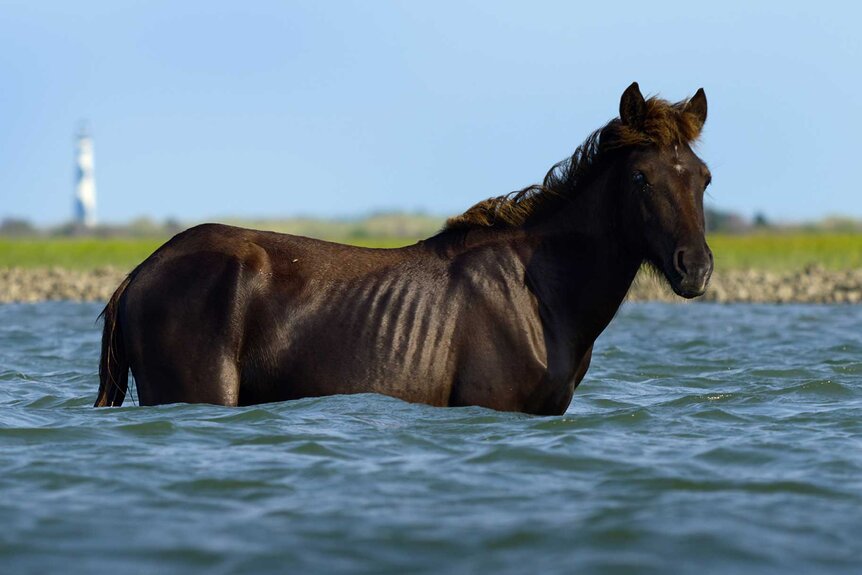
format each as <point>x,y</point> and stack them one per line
<point>679,261</point>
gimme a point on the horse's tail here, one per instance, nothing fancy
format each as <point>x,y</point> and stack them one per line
<point>113,363</point>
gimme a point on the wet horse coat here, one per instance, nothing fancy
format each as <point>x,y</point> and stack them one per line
<point>500,309</point>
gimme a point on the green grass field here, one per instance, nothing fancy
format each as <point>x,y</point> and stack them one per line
<point>786,251</point>
<point>117,252</point>
<point>776,251</point>
<point>75,253</point>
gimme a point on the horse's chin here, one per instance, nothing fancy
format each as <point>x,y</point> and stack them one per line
<point>686,289</point>
<point>688,292</point>
<point>679,285</point>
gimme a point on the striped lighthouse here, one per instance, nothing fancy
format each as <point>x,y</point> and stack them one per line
<point>85,181</point>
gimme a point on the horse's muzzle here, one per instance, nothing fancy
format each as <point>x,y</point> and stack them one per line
<point>694,266</point>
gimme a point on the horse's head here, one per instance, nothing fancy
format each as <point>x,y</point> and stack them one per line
<point>663,183</point>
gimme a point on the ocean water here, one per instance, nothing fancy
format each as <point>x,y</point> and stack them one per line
<point>704,439</point>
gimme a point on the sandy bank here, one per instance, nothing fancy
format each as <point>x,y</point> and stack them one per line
<point>811,285</point>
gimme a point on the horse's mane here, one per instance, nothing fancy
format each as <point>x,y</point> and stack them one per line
<point>664,124</point>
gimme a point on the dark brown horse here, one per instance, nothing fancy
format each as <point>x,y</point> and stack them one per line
<point>500,309</point>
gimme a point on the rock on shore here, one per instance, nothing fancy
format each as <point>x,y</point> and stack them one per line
<point>43,284</point>
<point>813,284</point>
<point>810,285</point>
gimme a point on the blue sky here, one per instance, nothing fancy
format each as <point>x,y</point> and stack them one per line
<point>203,110</point>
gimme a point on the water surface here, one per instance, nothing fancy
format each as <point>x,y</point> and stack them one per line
<point>704,439</point>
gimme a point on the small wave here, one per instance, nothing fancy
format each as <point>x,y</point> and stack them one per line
<point>245,415</point>
<point>827,388</point>
<point>235,488</point>
<point>152,428</point>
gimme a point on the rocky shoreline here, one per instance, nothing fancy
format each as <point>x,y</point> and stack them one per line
<point>811,285</point>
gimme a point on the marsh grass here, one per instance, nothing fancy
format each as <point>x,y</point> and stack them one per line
<point>75,253</point>
<point>125,253</point>
<point>787,251</point>
<point>774,251</point>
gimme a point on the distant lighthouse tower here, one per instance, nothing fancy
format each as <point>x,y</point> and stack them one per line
<point>85,181</point>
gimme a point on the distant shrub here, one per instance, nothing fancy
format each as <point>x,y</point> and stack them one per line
<point>17,227</point>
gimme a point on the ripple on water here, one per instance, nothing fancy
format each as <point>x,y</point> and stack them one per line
<point>242,416</point>
<point>153,428</point>
<point>828,388</point>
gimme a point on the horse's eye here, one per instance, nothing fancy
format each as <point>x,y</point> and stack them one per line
<point>638,178</point>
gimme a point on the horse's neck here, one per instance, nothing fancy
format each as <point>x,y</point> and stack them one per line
<point>582,266</point>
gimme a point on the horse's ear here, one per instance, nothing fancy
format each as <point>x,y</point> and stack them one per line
<point>633,107</point>
<point>697,106</point>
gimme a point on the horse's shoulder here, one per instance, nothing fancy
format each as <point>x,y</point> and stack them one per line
<point>492,258</point>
